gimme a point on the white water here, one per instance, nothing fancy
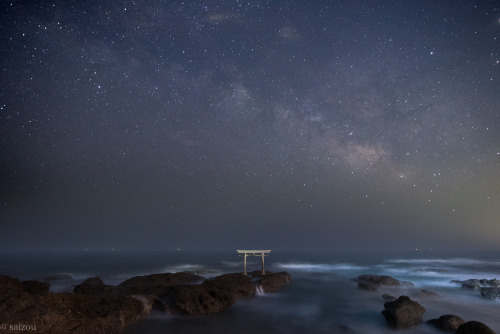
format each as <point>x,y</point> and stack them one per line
<point>259,291</point>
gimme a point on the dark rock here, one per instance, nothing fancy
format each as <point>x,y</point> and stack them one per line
<point>53,277</point>
<point>426,294</point>
<point>35,287</point>
<point>474,327</point>
<point>99,308</point>
<point>471,284</point>
<point>166,279</point>
<point>477,284</point>
<point>215,295</point>
<point>235,284</point>
<point>197,299</point>
<point>373,282</point>
<point>154,285</point>
<point>448,322</point>
<point>91,286</point>
<point>368,285</point>
<point>403,313</point>
<point>490,293</point>
<point>60,313</point>
<point>406,284</point>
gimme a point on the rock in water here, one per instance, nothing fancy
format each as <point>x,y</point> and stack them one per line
<point>61,313</point>
<point>373,282</point>
<point>448,322</point>
<point>215,295</point>
<point>166,279</point>
<point>197,299</point>
<point>490,293</point>
<point>403,313</point>
<point>474,327</point>
<point>426,294</point>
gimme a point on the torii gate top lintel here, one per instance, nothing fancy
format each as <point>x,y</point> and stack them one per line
<point>246,253</point>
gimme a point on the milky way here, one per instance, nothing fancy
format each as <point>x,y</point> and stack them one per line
<point>280,124</point>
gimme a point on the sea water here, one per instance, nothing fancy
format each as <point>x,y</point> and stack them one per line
<point>321,298</point>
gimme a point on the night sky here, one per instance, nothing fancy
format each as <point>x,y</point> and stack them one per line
<point>249,124</point>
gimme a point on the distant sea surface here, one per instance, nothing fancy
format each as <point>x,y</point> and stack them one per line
<point>320,299</point>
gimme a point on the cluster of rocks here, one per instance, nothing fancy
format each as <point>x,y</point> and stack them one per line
<point>489,288</point>
<point>95,307</point>
<point>403,313</point>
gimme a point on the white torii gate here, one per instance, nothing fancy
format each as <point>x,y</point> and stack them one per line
<point>246,253</point>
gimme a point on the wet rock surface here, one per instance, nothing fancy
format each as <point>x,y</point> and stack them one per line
<point>448,322</point>
<point>491,293</point>
<point>374,282</point>
<point>474,327</point>
<point>65,312</point>
<point>95,307</point>
<point>403,313</point>
<point>216,294</point>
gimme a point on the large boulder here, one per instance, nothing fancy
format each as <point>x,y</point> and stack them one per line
<point>474,327</point>
<point>374,282</point>
<point>448,322</point>
<point>403,313</point>
<point>491,293</point>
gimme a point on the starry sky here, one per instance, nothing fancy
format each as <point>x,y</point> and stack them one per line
<point>249,124</point>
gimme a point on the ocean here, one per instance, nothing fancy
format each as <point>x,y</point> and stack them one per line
<point>320,299</point>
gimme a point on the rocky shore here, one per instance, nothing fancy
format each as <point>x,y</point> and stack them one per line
<point>95,307</point>
<point>404,313</point>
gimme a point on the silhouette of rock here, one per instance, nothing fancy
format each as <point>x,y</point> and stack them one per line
<point>448,322</point>
<point>403,313</point>
<point>474,327</point>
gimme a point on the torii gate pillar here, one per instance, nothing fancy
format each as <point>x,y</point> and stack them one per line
<point>246,253</point>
